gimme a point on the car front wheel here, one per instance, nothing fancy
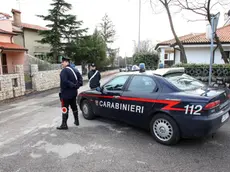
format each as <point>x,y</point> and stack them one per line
<point>87,110</point>
<point>164,129</point>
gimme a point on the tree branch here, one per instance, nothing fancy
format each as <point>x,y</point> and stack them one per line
<point>187,7</point>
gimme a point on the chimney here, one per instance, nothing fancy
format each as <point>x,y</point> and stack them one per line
<point>17,17</point>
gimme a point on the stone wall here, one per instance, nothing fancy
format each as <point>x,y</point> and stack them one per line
<point>45,80</point>
<point>12,85</point>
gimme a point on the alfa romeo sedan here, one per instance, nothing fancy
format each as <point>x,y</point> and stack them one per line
<point>167,102</point>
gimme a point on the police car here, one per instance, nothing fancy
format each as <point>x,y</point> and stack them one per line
<point>168,102</point>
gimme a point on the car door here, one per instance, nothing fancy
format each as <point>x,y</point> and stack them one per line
<point>139,97</point>
<point>108,102</point>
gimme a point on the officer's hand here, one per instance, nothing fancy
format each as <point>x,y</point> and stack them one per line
<point>60,96</point>
<point>78,86</point>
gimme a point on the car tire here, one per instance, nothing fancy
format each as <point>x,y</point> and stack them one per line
<point>164,129</point>
<point>87,111</point>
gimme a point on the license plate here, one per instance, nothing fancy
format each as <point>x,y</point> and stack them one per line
<point>225,117</point>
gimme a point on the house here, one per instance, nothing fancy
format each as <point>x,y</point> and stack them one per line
<point>28,35</point>
<point>197,48</point>
<point>11,53</point>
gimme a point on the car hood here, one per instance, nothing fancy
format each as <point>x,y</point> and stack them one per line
<point>90,92</point>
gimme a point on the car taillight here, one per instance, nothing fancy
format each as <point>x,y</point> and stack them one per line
<point>229,96</point>
<point>212,105</point>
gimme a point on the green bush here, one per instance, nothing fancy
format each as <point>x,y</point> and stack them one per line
<point>151,59</point>
<point>193,65</point>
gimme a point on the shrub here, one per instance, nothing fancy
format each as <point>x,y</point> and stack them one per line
<point>202,70</point>
<point>151,59</point>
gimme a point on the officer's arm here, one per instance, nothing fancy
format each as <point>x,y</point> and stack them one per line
<point>65,81</point>
<point>79,79</point>
<point>99,75</point>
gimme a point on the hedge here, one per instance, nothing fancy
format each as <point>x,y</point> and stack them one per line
<point>151,59</point>
<point>201,71</point>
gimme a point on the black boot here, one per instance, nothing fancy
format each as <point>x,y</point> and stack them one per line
<point>76,122</point>
<point>64,122</point>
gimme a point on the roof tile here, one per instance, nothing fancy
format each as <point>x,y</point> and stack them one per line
<point>6,32</point>
<point>6,15</point>
<point>31,26</point>
<point>223,33</point>
<point>11,46</point>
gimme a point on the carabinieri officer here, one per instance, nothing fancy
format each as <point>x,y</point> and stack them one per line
<point>71,81</point>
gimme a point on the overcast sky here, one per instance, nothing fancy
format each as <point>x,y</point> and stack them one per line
<point>123,13</point>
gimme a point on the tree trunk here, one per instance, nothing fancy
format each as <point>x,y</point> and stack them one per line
<point>223,54</point>
<point>178,42</point>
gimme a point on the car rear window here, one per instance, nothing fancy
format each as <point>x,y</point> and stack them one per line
<point>184,81</point>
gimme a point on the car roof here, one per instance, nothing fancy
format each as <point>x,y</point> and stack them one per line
<point>166,71</point>
<point>159,72</point>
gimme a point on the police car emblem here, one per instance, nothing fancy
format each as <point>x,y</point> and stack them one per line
<point>96,102</point>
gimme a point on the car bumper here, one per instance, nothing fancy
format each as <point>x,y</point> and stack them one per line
<point>200,126</point>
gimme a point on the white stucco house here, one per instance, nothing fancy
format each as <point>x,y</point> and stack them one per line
<point>197,48</point>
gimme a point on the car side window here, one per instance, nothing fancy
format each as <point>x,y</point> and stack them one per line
<point>142,84</point>
<point>116,84</point>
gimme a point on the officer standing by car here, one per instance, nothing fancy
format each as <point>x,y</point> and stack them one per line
<point>94,77</point>
<point>71,81</point>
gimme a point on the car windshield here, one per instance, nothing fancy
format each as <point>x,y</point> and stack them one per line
<point>184,81</point>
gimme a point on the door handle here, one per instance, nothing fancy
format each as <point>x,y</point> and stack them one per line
<point>116,97</point>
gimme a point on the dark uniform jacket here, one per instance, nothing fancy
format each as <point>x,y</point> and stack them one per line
<point>95,81</point>
<point>69,84</point>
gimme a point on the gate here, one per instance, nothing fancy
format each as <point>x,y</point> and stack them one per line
<point>28,77</point>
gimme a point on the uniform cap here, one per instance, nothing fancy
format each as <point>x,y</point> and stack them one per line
<point>65,58</point>
<point>93,65</point>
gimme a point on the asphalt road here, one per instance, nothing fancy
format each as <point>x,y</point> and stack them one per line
<point>29,142</point>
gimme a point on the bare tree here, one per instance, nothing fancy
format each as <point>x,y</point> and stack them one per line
<point>204,9</point>
<point>145,46</point>
<point>108,33</point>
<point>166,4</point>
<point>107,29</point>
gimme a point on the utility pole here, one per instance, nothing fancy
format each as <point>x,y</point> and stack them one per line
<point>125,61</point>
<point>214,23</point>
<point>139,26</point>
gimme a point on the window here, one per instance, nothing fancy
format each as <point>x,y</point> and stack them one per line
<point>142,84</point>
<point>184,81</point>
<point>116,84</point>
<point>15,82</point>
<point>166,56</point>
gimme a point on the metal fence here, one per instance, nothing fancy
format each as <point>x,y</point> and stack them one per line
<point>42,65</point>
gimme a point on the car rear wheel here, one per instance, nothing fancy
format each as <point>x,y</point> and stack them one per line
<point>164,129</point>
<point>87,110</point>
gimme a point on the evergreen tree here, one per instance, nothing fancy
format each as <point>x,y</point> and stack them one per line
<point>91,49</point>
<point>63,28</point>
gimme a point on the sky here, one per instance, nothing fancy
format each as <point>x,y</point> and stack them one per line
<point>124,15</point>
